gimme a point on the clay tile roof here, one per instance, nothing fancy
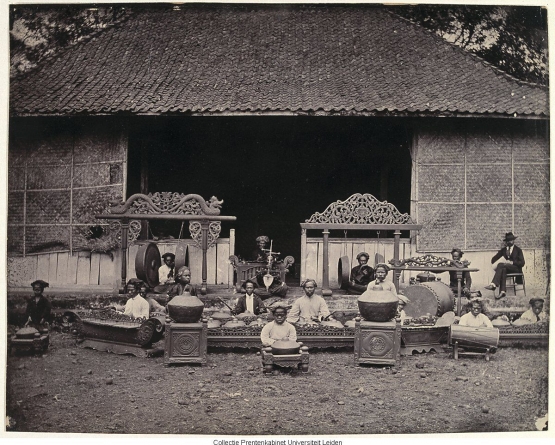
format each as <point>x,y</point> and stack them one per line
<point>356,58</point>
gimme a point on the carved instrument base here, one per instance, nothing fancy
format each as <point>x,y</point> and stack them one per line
<point>185,343</point>
<point>377,343</point>
<point>296,361</point>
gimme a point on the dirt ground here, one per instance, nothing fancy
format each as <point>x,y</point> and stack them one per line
<point>70,389</point>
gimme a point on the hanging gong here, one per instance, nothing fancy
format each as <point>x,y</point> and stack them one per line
<point>181,256</point>
<point>343,272</point>
<point>147,263</point>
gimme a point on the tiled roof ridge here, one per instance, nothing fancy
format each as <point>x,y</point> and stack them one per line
<point>42,63</point>
<point>495,69</point>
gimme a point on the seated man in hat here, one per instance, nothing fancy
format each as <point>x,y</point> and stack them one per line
<point>249,302</point>
<point>534,314</point>
<point>136,306</point>
<point>278,329</point>
<point>361,275</point>
<point>512,262</point>
<point>309,307</point>
<point>166,276</point>
<point>38,307</point>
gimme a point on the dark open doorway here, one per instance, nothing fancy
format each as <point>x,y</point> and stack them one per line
<point>271,172</point>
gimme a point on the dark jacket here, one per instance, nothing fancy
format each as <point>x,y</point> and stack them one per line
<point>362,274</point>
<point>517,258</point>
<point>241,305</point>
<point>38,311</point>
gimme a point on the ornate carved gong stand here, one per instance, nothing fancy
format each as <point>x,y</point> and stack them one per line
<point>204,221</point>
<point>358,212</point>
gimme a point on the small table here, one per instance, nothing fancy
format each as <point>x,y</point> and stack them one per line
<point>377,343</point>
<point>185,343</point>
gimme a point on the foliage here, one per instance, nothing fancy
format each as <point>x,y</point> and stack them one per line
<point>37,31</point>
<point>512,38</point>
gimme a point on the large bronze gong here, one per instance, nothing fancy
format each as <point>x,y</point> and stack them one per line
<point>343,272</point>
<point>147,263</point>
<point>181,256</point>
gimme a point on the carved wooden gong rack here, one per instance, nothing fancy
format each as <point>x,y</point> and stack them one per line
<point>359,212</point>
<point>203,216</point>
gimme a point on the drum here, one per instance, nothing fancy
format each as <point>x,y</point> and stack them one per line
<point>474,338</point>
<point>147,263</point>
<point>432,297</point>
<point>343,272</point>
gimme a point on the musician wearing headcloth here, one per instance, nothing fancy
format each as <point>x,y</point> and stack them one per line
<point>136,306</point>
<point>166,276</point>
<point>183,279</point>
<point>380,273</point>
<point>361,275</point>
<point>403,301</point>
<point>309,307</point>
<point>533,315</point>
<point>475,318</point>
<point>38,307</point>
<point>466,282</point>
<point>278,329</point>
<point>259,254</point>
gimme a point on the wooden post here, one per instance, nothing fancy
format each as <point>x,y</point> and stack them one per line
<point>204,224</point>
<point>396,273</point>
<point>124,232</point>
<point>459,292</point>
<point>303,255</point>
<point>326,291</point>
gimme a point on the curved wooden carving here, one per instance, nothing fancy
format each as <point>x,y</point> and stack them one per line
<point>430,261</point>
<point>168,203</point>
<point>288,261</point>
<point>214,229</point>
<point>361,209</point>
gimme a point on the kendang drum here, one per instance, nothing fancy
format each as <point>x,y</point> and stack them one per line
<point>432,297</point>
<point>474,339</point>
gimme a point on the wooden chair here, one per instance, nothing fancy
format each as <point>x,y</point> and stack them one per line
<point>511,281</point>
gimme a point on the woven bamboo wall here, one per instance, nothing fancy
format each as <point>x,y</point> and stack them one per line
<point>477,180</point>
<point>60,174</point>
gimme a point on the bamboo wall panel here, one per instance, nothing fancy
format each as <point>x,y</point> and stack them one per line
<point>61,271</point>
<point>53,268</point>
<point>72,268</point>
<point>83,268</point>
<point>95,269</point>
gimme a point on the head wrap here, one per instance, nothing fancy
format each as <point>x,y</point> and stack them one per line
<point>168,254</point>
<point>263,238</point>
<point>535,300</point>
<point>244,285</point>
<point>456,249</point>
<point>182,270</point>
<point>40,283</point>
<point>303,284</point>
<point>135,282</point>
<point>383,266</point>
<point>403,299</point>
<point>361,254</point>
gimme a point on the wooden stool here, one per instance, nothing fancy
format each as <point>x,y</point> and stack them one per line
<point>513,284</point>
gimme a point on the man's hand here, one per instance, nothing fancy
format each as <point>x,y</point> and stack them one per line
<point>314,318</point>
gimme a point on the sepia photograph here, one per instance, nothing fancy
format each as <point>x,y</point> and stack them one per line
<point>277,223</point>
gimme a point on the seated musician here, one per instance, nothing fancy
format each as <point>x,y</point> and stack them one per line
<point>260,254</point>
<point>183,279</point>
<point>533,315</point>
<point>466,281</point>
<point>249,302</point>
<point>278,329</point>
<point>309,307</point>
<point>361,275</point>
<point>403,301</point>
<point>38,307</point>
<point>276,289</point>
<point>153,305</point>
<point>136,305</point>
<point>380,273</point>
<point>475,318</point>
<point>166,276</point>
<point>513,262</point>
